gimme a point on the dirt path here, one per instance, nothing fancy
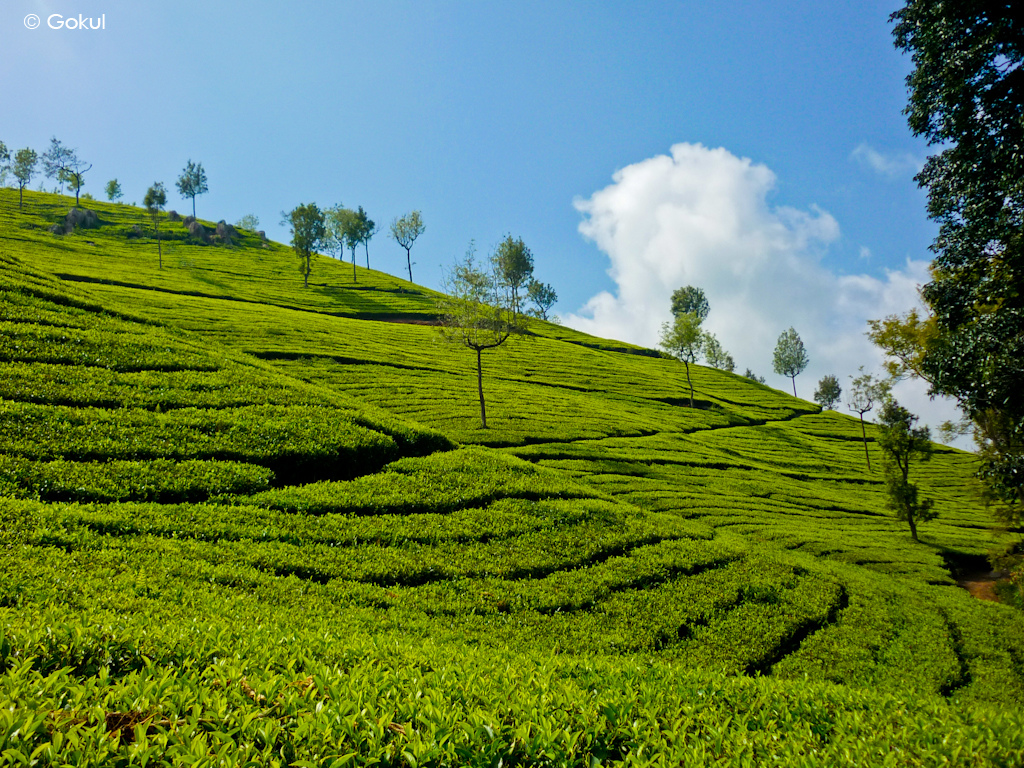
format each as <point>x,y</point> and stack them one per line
<point>980,585</point>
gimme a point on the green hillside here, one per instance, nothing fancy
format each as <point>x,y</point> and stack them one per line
<point>243,522</point>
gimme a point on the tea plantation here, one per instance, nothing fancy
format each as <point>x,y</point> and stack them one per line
<point>248,523</point>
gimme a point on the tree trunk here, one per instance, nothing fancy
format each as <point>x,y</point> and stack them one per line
<point>480,389</point>
<point>864,434</point>
<point>354,278</point>
<point>408,261</point>
<point>21,196</point>
<point>688,381</point>
<point>193,206</point>
<point>305,274</point>
<point>159,250</point>
<point>78,188</point>
<point>793,378</point>
<point>913,526</point>
<point>366,245</point>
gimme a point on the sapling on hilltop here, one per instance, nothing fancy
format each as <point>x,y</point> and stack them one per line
<point>154,201</point>
<point>309,231</point>
<point>192,182</point>
<point>716,355</point>
<point>682,338</point>
<point>24,168</point>
<point>542,296</point>
<point>113,190</point>
<point>864,392</point>
<point>475,313</point>
<point>901,443</point>
<point>404,231</point>
<point>790,357</point>
<point>514,265</point>
<point>828,392</point>
<point>64,165</point>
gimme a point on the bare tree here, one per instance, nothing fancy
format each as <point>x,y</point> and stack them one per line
<point>404,231</point>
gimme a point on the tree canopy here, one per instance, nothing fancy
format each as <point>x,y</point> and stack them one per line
<point>790,358</point>
<point>901,441</point>
<point>828,392</point>
<point>308,229</point>
<point>682,338</point>
<point>692,300</point>
<point>966,94</point>
<point>476,313</point>
<point>155,200</point>
<point>192,182</point>
<point>63,163</point>
<point>514,264</point>
<point>404,231</point>
<point>24,168</point>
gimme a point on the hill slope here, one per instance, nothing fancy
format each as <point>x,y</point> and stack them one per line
<point>214,476</point>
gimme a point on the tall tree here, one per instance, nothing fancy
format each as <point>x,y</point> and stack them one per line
<point>682,338</point>
<point>308,232</point>
<point>901,442</point>
<point>864,392</point>
<point>828,392</point>
<point>24,169</point>
<point>790,357</point>
<point>543,297</point>
<point>690,299</point>
<point>63,164</point>
<point>192,182</point>
<point>5,162</point>
<point>475,313</point>
<point>344,230</point>
<point>367,229</point>
<point>716,355</point>
<point>404,231</point>
<point>113,190</point>
<point>155,200</point>
<point>514,263</point>
<point>966,97</point>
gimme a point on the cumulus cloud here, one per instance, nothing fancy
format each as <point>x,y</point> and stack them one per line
<point>702,217</point>
<point>892,166</point>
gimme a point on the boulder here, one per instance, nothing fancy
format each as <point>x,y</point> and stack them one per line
<point>225,232</point>
<point>135,231</point>
<point>262,234</point>
<point>81,218</point>
<point>198,231</point>
<point>187,221</point>
<point>173,216</point>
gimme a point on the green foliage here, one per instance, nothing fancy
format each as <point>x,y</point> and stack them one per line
<point>62,163</point>
<point>749,374</point>
<point>690,300</point>
<point>684,340</point>
<point>24,169</point>
<point>309,230</point>
<point>513,266</point>
<point>113,190</point>
<point>543,297</point>
<point>716,356</point>
<point>901,442</point>
<point>249,222</point>
<point>192,182</point>
<point>790,357</point>
<point>404,231</point>
<point>828,393</point>
<point>965,97</point>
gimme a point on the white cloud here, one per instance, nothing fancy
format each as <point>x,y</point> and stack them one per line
<point>701,217</point>
<point>892,166</point>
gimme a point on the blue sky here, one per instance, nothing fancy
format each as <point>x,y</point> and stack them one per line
<point>495,118</point>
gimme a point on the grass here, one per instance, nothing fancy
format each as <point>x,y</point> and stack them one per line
<point>245,521</point>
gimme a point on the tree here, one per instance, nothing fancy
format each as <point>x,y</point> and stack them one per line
<point>966,97</point>
<point>367,229</point>
<point>63,164</point>
<point>344,230</point>
<point>5,162</point>
<point>404,231</point>
<point>900,442</point>
<point>542,296</point>
<point>155,200</point>
<point>475,313</point>
<point>683,340</point>
<point>308,233</point>
<point>690,300</point>
<point>24,169</point>
<point>113,190</point>
<point>790,356</point>
<point>514,263</point>
<point>828,393</point>
<point>716,356</point>
<point>864,392</point>
<point>192,182</point>
<point>753,376</point>
<point>249,222</point>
